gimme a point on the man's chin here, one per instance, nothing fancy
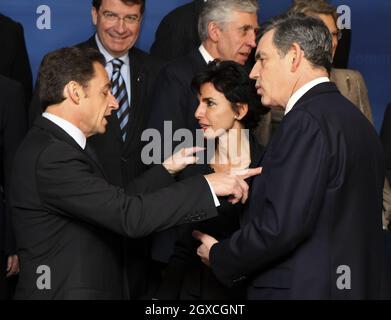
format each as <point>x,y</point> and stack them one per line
<point>102,128</point>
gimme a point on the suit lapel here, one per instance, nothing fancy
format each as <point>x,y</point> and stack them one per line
<point>138,84</point>
<point>61,135</point>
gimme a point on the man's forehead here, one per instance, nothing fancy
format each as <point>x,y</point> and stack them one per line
<point>100,73</point>
<point>113,6</point>
<point>266,39</point>
<point>244,18</point>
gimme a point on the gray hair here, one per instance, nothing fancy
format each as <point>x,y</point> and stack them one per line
<point>310,33</point>
<point>220,11</point>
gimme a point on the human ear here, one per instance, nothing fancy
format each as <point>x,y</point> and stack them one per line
<point>242,109</point>
<point>213,31</point>
<point>296,56</point>
<point>94,16</point>
<point>72,92</point>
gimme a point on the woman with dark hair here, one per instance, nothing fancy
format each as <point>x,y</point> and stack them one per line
<point>228,110</point>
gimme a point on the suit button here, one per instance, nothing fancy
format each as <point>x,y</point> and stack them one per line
<point>124,159</point>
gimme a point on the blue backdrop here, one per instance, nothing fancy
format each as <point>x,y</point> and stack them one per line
<point>70,23</point>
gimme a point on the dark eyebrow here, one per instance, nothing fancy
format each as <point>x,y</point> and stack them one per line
<point>258,56</point>
<point>248,27</point>
<point>207,99</point>
<point>107,86</point>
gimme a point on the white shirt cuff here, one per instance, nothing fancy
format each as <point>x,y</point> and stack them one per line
<point>215,199</point>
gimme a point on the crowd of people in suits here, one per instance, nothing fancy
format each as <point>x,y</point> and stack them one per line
<point>79,198</point>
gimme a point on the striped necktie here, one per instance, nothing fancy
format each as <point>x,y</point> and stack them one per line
<point>119,92</point>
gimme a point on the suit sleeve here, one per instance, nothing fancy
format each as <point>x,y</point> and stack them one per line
<point>14,128</point>
<point>67,186</point>
<point>295,176</point>
<point>151,180</point>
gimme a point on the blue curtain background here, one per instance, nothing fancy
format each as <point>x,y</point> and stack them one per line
<point>71,23</point>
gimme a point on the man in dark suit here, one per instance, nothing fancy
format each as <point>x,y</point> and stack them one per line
<point>66,215</point>
<point>177,33</point>
<point>227,29</point>
<point>313,228</point>
<point>13,126</point>
<point>118,24</point>
<point>14,60</point>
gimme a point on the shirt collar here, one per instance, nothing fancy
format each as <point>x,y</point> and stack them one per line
<point>205,54</point>
<point>68,127</point>
<point>107,55</point>
<point>302,91</point>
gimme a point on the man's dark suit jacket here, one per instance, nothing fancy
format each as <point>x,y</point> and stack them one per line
<point>122,161</point>
<point>315,209</point>
<point>13,126</point>
<point>66,215</point>
<point>14,60</point>
<point>385,135</point>
<point>177,33</point>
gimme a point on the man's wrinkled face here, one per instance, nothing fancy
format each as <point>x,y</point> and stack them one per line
<point>236,39</point>
<point>272,73</point>
<point>97,103</point>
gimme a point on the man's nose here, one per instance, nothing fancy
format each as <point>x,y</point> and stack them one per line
<point>113,103</point>
<point>251,39</point>
<point>254,74</point>
<point>120,25</point>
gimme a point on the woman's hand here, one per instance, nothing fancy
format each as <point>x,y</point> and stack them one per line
<point>179,160</point>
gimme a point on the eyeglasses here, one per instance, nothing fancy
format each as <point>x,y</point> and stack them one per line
<point>113,17</point>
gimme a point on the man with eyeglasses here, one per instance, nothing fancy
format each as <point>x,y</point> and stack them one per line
<point>132,72</point>
<point>118,25</point>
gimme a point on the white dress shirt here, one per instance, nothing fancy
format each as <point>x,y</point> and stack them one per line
<point>68,127</point>
<point>302,91</point>
<point>125,69</point>
<point>205,54</point>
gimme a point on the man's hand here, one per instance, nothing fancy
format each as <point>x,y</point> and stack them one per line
<point>207,243</point>
<point>12,265</point>
<point>179,160</point>
<point>232,184</point>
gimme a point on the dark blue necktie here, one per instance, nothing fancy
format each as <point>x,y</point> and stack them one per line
<point>119,92</point>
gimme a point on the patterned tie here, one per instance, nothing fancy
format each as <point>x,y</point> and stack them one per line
<point>119,92</point>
